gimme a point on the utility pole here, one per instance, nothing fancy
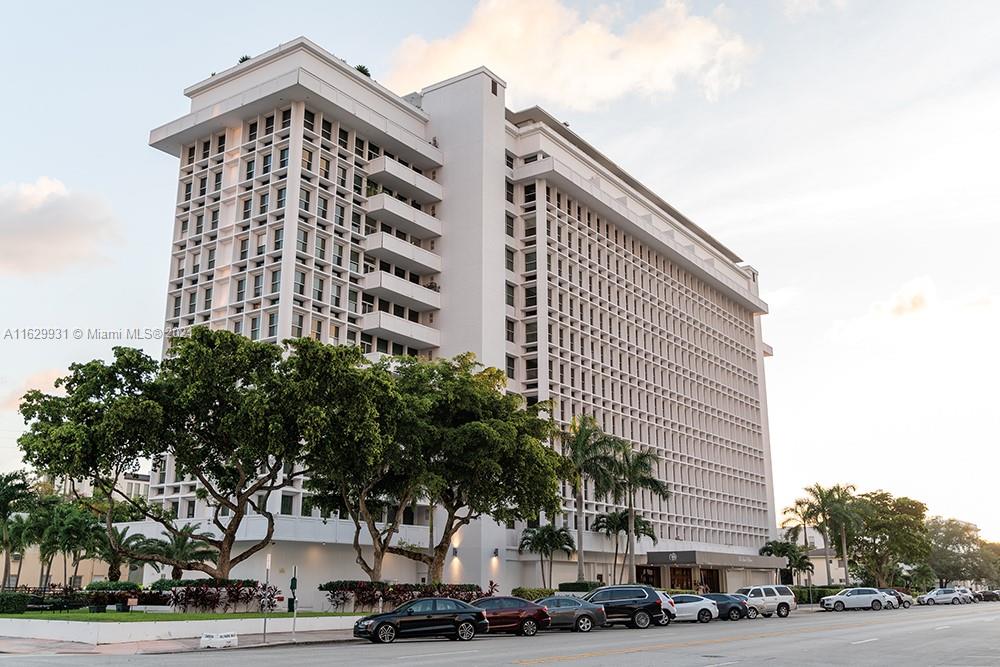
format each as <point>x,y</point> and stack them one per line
<point>267,579</point>
<point>295,602</point>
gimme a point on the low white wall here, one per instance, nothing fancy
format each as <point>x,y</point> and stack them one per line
<point>117,633</point>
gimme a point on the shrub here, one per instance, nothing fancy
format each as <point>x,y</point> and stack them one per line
<point>802,592</point>
<point>367,594</point>
<point>13,603</point>
<point>532,593</point>
<point>167,584</point>
<point>578,586</point>
<point>113,586</point>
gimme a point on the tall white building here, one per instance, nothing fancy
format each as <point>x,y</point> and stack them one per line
<point>312,201</point>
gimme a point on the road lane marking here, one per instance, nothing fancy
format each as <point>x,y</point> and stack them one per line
<point>942,627</point>
<point>430,655</point>
<point>723,664</point>
<point>865,641</point>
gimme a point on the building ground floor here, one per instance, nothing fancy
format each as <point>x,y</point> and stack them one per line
<point>27,569</point>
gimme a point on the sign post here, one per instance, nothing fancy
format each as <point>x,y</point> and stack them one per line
<point>295,603</point>
<point>267,580</point>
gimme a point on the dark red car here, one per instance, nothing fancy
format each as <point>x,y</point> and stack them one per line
<point>510,614</point>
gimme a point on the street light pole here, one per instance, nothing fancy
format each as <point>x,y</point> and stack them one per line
<point>267,580</point>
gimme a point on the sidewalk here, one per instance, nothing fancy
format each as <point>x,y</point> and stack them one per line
<point>12,645</point>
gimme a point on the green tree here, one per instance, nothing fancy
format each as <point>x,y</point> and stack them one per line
<point>363,69</point>
<point>15,496</point>
<point>797,560</point>
<point>891,532</point>
<point>955,549</point>
<point>484,449</point>
<point>113,548</point>
<point>363,440</point>
<point>612,524</point>
<point>799,563</point>
<point>19,538</point>
<point>589,453</point>
<point>218,404</point>
<point>73,527</point>
<point>42,530</point>
<point>545,541</point>
<point>634,470</point>
<point>795,523</point>
<point>819,502</point>
<point>844,520</point>
<point>183,549</point>
<point>643,528</point>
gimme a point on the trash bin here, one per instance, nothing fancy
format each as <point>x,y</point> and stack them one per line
<point>291,605</point>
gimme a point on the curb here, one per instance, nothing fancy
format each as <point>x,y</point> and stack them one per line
<point>282,643</point>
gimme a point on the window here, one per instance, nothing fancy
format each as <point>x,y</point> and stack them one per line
<point>530,263</point>
<point>509,225</point>
<point>238,327</point>
<point>241,289</point>
<point>338,215</point>
<point>252,132</point>
<point>297,326</point>
<point>190,154</point>
<point>269,125</point>
<point>175,507</point>
<point>258,285</point>
<point>220,143</point>
<point>282,158</point>
<point>208,298</point>
<point>509,294</point>
<point>321,207</point>
<point>218,181</point>
<point>279,237</point>
<point>307,160</point>
<point>275,280</point>
<point>302,242</point>
<point>250,167</point>
<point>281,197</point>
<point>247,208</point>
<point>307,508</point>
<point>327,130</point>
<point>264,198</point>
<point>254,328</point>
<point>192,302</point>
<point>530,297</point>
<point>531,332</point>
<point>511,366</point>
<point>202,187</point>
<point>286,119</point>
<point>529,193</point>
<point>187,191</point>
<point>215,219</point>
<point>509,191</point>
<point>317,288</point>
<point>309,120</point>
<point>509,259</point>
<point>199,224</point>
<point>510,330</point>
<point>266,167</point>
<point>300,282</point>
<point>190,509</point>
<point>342,137</point>
<point>211,258</point>
<point>244,248</point>
<point>206,149</point>
<point>272,325</point>
<point>177,306</point>
<point>493,86</point>
<point>304,197</point>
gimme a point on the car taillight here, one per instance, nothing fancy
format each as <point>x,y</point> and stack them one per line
<point>659,602</point>
<point>545,609</point>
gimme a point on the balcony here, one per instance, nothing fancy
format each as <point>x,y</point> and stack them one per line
<point>389,248</point>
<point>403,331</point>
<point>402,216</point>
<point>402,179</point>
<point>401,291</point>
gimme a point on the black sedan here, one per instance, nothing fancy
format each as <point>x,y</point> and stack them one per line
<point>730,607</point>
<point>990,596</point>
<point>426,617</point>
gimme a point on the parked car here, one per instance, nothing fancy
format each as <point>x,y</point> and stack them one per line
<point>515,615</point>
<point>755,606</point>
<point>856,598</point>
<point>940,596</point>
<point>967,595</point>
<point>568,612</point>
<point>635,606</point>
<point>901,599</point>
<point>425,617</point>
<point>695,608</point>
<point>990,596</point>
<point>778,600</point>
<point>669,609</point>
<point>730,608</point>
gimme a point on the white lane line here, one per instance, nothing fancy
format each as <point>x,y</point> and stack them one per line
<point>942,627</point>
<point>723,664</point>
<point>430,655</point>
<point>865,641</point>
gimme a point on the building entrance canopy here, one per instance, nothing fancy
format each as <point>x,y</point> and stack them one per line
<point>714,559</point>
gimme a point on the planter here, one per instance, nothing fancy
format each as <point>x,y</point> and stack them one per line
<point>97,609</point>
<point>121,607</point>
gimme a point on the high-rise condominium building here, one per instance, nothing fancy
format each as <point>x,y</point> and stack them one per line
<point>312,201</point>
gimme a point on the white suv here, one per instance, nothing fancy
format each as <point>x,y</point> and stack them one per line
<point>941,596</point>
<point>778,600</point>
<point>857,598</point>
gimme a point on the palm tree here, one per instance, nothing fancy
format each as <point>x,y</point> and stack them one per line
<point>795,558</point>
<point>612,525</point>
<point>73,528</point>
<point>364,70</point>
<point>799,562</point>
<point>41,529</point>
<point>820,502</point>
<point>643,528</point>
<point>19,539</point>
<point>15,494</point>
<point>797,521</point>
<point>112,547</point>
<point>546,541</point>
<point>588,453</point>
<point>186,546</point>
<point>633,471</point>
<point>844,518</point>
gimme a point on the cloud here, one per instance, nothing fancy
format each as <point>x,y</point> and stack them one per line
<point>781,297</point>
<point>44,226</point>
<point>549,53</point>
<point>797,8</point>
<point>43,381</point>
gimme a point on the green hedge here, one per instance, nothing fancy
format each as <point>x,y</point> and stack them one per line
<point>578,586</point>
<point>802,592</point>
<point>13,603</point>
<point>532,593</point>
<point>167,584</point>
<point>113,586</point>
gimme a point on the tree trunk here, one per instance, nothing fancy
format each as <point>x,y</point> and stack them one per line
<point>17,575</point>
<point>621,568</point>
<point>843,549</point>
<point>614,564</point>
<point>579,533</point>
<point>541,566</point>
<point>805,545</point>
<point>826,558</point>
<point>6,557</point>
<point>65,570</point>
<point>176,573</point>
<point>551,558</point>
<point>114,571</point>
<point>631,539</point>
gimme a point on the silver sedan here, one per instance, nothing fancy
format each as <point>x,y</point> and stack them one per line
<point>572,613</point>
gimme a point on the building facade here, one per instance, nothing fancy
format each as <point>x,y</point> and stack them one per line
<point>311,201</point>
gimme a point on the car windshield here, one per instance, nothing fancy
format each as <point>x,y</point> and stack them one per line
<point>844,591</point>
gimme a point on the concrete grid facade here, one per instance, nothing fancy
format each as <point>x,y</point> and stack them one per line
<point>312,201</point>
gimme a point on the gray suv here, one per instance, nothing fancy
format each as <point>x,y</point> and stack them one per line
<point>771,600</point>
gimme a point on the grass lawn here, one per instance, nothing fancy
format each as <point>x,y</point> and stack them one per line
<point>139,617</point>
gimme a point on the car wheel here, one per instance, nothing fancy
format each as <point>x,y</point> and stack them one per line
<point>955,601</point>
<point>704,616</point>
<point>385,633</point>
<point>876,605</point>
<point>783,610</point>
<point>584,624</point>
<point>529,628</point>
<point>734,614</point>
<point>664,620</point>
<point>906,604</point>
<point>930,601</point>
<point>752,613</point>
<point>838,606</point>
<point>465,631</point>
<point>641,620</point>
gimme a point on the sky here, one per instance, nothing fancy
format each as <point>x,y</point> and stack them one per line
<point>845,149</point>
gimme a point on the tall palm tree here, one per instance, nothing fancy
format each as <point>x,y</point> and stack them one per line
<point>186,546</point>
<point>633,471</point>
<point>612,524</point>
<point>19,539</point>
<point>797,521</point>
<point>589,453</point>
<point>844,518</point>
<point>546,541</point>
<point>42,530</point>
<point>800,562</point>
<point>73,528</point>
<point>820,501</point>
<point>643,528</point>
<point>15,496</point>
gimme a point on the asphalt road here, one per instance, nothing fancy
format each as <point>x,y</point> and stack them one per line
<point>967,635</point>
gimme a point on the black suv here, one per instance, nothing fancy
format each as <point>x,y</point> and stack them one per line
<point>636,606</point>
